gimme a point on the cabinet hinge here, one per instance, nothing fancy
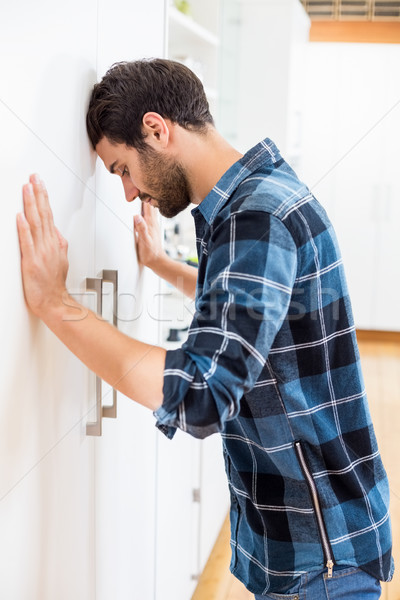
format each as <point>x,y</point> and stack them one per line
<point>195,577</point>
<point>196,495</point>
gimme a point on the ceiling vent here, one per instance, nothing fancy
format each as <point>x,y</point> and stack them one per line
<point>353,10</point>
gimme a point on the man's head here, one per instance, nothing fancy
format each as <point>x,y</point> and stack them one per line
<point>131,89</point>
<point>131,115</point>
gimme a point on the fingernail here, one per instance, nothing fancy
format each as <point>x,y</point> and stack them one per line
<point>138,220</point>
<point>36,178</point>
<point>29,189</point>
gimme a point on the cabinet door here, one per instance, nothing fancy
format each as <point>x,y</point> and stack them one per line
<point>270,28</point>
<point>46,460</point>
<point>126,453</point>
<point>387,314</point>
<point>214,495</point>
<point>360,104</point>
<point>178,517</point>
<point>353,155</point>
<point>367,186</point>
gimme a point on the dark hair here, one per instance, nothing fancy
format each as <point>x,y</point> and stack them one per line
<point>131,89</point>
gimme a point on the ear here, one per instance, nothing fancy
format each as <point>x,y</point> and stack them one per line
<point>156,130</point>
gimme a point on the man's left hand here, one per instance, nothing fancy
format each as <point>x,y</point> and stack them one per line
<point>44,261</point>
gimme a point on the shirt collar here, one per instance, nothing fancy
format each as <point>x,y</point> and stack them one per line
<point>263,153</point>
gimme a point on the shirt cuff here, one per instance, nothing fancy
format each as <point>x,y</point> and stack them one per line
<point>177,363</point>
<point>164,419</point>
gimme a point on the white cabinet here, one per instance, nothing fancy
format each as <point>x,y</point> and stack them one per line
<point>351,163</point>
<point>47,541</point>
<point>126,458</point>
<point>213,501</point>
<point>192,503</point>
<point>178,517</point>
<point>262,65</point>
<point>126,452</point>
<point>82,518</point>
<point>193,39</point>
<point>77,514</point>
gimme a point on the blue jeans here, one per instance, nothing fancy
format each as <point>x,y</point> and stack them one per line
<point>347,583</point>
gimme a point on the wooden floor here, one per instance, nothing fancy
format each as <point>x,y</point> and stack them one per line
<point>380,356</point>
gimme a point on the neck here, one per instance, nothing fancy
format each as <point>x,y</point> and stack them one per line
<point>205,158</point>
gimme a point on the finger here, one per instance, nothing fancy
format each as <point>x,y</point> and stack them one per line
<point>43,205</point>
<point>136,239</point>
<point>136,225</point>
<point>63,242</point>
<point>46,205</point>
<point>25,237</point>
<point>142,235</point>
<point>32,213</point>
<point>140,225</point>
<point>148,212</point>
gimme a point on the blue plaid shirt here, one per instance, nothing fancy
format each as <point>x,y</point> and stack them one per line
<point>271,362</point>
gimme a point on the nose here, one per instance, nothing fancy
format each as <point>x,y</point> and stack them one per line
<point>131,191</point>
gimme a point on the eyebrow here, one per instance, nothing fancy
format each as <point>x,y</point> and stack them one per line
<point>112,167</point>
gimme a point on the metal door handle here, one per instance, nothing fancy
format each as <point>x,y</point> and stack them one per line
<point>111,276</point>
<point>94,284</point>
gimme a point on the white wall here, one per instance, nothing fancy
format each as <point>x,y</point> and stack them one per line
<point>46,461</point>
<point>50,515</point>
<point>351,161</point>
<point>84,518</point>
<point>261,89</point>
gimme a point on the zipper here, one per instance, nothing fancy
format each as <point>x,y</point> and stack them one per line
<point>234,505</point>
<point>236,535</point>
<point>326,546</point>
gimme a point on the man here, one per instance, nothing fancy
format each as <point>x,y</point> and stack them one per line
<point>271,360</point>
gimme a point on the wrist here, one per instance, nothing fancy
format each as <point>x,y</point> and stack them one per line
<point>161,264</point>
<point>61,307</point>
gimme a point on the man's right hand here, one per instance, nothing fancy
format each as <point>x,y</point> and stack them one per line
<point>148,237</point>
<point>151,254</point>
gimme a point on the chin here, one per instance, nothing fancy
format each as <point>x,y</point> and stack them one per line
<point>170,214</point>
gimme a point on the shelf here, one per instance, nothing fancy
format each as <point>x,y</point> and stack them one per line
<point>189,27</point>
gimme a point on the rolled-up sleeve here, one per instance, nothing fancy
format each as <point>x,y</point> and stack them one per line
<point>251,269</point>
